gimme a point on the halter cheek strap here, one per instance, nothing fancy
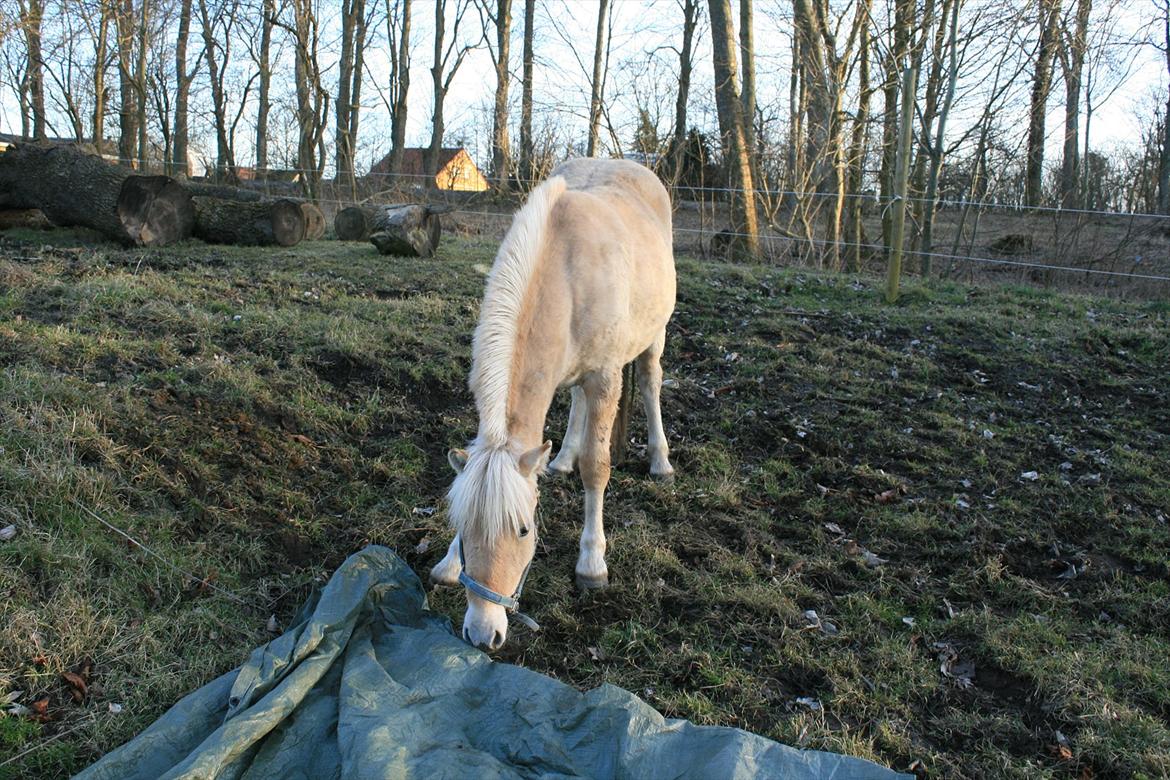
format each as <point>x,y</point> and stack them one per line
<point>509,603</point>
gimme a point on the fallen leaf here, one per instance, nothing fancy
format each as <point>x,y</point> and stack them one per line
<point>887,496</point>
<point>918,769</point>
<point>423,511</point>
<point>809,702</point>
<point>300,438</point>
<point>833,528</point>
<point>1031,476</point>
<point>595,653</point>
<point>272,626</point>
<point>909,621</point>
<point>7,533</point>
<point>423,545</point>
<point>78,687</point>
<point>871,560</point>
<point>115,708</point>
<point>39,710</point>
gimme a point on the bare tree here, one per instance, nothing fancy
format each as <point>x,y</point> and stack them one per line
<point>678,141</point>
<point>183,79</point>
<point>31,17</point>
<point>347,106</point>
<point>312,98</point>
<point>526,172</point>
<point>1164,157</point>
<point>1041,84</point>
<point>140,80</point>
<point>447,60</point>
<point>100,64</point>
<point>747,56</point>
<point>501,22</point>
<point>1074,40</point>
<point>127,110</point>
<point>263,58</point>
<point>746,241</point>
<point>597,84</point>
<point>398,38</point>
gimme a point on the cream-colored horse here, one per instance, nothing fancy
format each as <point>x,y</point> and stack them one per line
<point>583,283</point>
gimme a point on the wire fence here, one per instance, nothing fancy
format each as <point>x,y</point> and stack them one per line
<point>1078,244</point>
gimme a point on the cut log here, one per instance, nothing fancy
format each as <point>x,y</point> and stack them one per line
<point>353,223</point>
<point>409,231</point>
<point>24,218</point>
<point>224,191</point>
<point>77,189</point>
<point>314,221</point>
<point>256,223</point>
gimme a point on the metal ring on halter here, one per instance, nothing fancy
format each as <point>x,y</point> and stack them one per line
<point>509,603</point>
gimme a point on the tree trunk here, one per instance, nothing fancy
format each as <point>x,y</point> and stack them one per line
<point>353,223</point>
<point>731,126</point>
<point>1041,84</point>
<point>408,231</point>
<point>101,46</point>
<point>501,147</point>
<point>527,174</point>
<point>346,107</point>
<point>31,16</point>
<point>257,223</point>
<point>936,150</point>
<point>127,112</point>
<point>438,95</point>
<point>678,142</point>
<point>857,152</point>
<point>312,101</point>
<point>77,189</point>
<point>747,54</point>
<point>1072,62</point>
<point>182,92</point>
<point>400,84</point>
<point>140,83</point>
<point>224,162</point>
<point>595,95</point>
<point>1164,161</point>
<point>264,74</point>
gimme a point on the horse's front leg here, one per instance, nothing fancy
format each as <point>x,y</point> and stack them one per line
<point>602,393</point>
<point>446,571</point>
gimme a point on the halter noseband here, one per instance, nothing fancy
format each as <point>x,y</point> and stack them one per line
<point>509,603</point>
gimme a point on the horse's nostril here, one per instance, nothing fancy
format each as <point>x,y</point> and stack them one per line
<point>466,636</point>
<point>498,640</point>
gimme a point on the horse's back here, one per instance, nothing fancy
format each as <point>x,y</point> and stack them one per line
<point>623,180</point>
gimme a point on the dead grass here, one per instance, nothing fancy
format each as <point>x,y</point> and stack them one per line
<point>256,415</point>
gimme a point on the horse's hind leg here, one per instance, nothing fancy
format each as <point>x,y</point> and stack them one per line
<point>571,445</point>
<point>650,385</point>
<point>602,392</point>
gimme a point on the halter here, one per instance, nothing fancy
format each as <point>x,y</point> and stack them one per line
<point>509,603</point>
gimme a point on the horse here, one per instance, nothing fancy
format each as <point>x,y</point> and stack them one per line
<point>583,283</point>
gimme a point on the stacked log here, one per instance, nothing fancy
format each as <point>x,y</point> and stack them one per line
<point>33,219</point>
<point>408,231</point>
<point>353,223</point>
<point>249,223</point>
<point>314,221</point>
<point>73,188</point>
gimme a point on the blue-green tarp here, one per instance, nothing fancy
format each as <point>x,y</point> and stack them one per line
<point>370,684</point>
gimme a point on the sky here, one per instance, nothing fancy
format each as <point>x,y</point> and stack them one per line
<point>643,72</point>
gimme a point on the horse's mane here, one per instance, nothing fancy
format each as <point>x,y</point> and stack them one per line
<point>499,315</point>
<point>490,494</point>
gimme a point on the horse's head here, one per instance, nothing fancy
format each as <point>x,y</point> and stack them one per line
<point>493,509</point>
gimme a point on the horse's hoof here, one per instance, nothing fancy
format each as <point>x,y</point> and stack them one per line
<point>589,582</point>
<point>665,479</point>
<point>558,473</point>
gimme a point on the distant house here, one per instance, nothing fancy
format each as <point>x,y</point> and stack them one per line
<point>457,171</point>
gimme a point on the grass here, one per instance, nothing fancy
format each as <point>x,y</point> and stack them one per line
<point>254,416</point>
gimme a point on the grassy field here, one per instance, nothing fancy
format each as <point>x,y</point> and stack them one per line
<point>970,489</point>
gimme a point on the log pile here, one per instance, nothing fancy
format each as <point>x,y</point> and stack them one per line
<point>75,189</point>
<point>249,223</point>
<point>408,231</point>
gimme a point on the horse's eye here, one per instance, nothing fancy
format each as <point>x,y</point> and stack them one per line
<point>523,530</point>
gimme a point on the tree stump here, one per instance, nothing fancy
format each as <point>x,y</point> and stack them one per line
<point>352,223</point>
<point>77,189</point>
<point>314,221</point>
<point>249,223</point>
<point>408,231</point>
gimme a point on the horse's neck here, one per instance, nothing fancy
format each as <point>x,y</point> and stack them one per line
<point>537,360</point>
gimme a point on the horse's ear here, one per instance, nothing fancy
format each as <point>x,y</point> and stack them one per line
<point>534,459</point>
<point>457,459</point>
